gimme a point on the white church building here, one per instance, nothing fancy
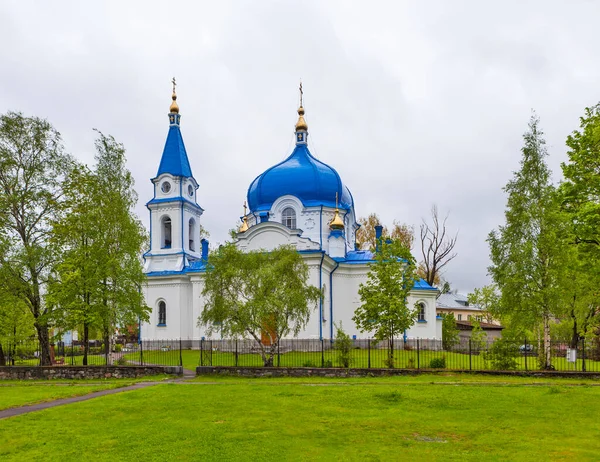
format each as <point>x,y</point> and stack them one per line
<point>300,202</point>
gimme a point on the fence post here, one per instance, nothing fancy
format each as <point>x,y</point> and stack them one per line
<point>369,350</point>
<point>201,352</point>
<point>525,353</point>
<point>278,357</point>
<point>211,352</point>
<point>236,353</point>
<point>470,356</point>
<point>322,355</point>
<point>583,355</point>
<point>180,354</point>
<point>141,353</point>
<point>418,356</point>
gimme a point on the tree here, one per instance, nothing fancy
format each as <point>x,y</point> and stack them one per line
<point>437,248</point>
<point>365,235</point>
<point>526,251</point>
<point>33,167</point>
<point>343,346</point>
<point>449,331</point>
<point>384,309</point>
<point>488,299</point>
<point>478,336</point>
<point>123,239</point>
<point>97,282</point>
<point>581,187</point>
<point>257,294</point>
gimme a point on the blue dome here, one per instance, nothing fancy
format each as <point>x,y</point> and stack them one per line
<point>303,176</point>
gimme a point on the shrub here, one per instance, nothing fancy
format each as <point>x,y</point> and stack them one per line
<point>121,361</point>
<point>117,348</point>
<point>343,346</point>
<point>411,363</point>
<point>438,363</point>
<point>328,363</point>
<point>309,363</point>
<point>502,355</point>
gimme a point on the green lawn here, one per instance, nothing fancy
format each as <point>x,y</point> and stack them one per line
<point>360,358</point>
<point>23,394</point>
<point>408,418</point>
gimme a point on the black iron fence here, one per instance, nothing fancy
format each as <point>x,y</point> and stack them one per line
<point>359,353</point>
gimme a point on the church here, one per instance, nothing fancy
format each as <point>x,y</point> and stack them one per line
<point>301,202</point>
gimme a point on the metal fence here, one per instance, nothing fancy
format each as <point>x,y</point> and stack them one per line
<point>360,353</point>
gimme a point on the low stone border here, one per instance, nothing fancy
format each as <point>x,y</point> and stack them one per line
<point>339,372</point>
<point>84,372</point>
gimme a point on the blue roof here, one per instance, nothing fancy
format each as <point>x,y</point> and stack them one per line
<point>360,255</point>
<point>303,176</point>
<point>421,284</point>
<point>174,158</point>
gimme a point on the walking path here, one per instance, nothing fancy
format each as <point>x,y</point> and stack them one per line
<point>187,374</point>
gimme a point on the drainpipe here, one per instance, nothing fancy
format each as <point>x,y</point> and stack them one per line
<point>321,229</point>
<point>321,299</point>
<point>331,300</point>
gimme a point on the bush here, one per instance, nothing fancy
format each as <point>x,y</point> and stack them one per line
<point>502,355</point>
<point>309,363</point>
<point>343,346</point>
<point>438,363</point>
<point>328,363</point>
<point>117,348</point>
<point>121,361</point>
<point>411,363</point>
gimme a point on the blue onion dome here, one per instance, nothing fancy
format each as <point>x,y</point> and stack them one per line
<point>301,175</point>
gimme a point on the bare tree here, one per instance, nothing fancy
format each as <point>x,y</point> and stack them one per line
<point>436,247</point>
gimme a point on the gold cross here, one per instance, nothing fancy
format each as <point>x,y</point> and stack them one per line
<point>244,208</point>
<point>301,93</point>
<point>336,200</point>
<point>174,84</point>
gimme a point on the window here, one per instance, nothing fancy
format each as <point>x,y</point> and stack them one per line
<point>166,233</point>
<point>191,234</point>
<point>288,218</point>
<point>421,317</point>
<point>460,317</point>
<point>165,187</point>
<point>162,313</point>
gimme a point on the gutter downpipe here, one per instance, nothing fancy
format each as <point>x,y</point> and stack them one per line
<point>321,299</point>
<point>321,230</point>
<point>337,263</point>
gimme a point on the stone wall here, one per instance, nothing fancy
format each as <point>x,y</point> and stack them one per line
<point>338,372</point>
<point>84,372</point>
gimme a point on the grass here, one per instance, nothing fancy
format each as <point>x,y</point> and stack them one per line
<point>411,418</point>
<point>360,358</point>
<point>22,395</point>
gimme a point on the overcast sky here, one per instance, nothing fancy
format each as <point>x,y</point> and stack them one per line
<point>412,102</point>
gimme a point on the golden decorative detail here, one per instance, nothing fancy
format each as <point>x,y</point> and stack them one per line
<point>337,222</point>
<point>244,226</point>
<point>174,108</point>
<point>301,124</point>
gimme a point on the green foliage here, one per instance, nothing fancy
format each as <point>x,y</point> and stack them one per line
<point>384,311</point>
<point>33,167</point>
<point>438,363</point>
<point>478,336</point>
<point>256,293</point>
<point>488,299</point>
<point>527,252</point>
<point>502,355</point>
<point>343,346</point>
<point>449,331</point>
<point>96,285</point>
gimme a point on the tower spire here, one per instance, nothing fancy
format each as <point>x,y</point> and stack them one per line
<point>244,225</point>
<point>337,222</point>
<point>301,126</point>
<point>174,109</point>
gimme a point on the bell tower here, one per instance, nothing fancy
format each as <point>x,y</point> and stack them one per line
<point>174,212</point>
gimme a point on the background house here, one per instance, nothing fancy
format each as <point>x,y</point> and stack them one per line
<point>458,304</point>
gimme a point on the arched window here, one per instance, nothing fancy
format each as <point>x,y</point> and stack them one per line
<point>191,234</point>
<point>421,317</point>
<point>162,313</point>
<point>288,217</point>
<point>166,233</point>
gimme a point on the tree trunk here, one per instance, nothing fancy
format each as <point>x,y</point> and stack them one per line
<point>107,346</point>
<point>44,339</point>
<point>86,342</point>
<point>2,358</point>
<point>547,346</point>
<point>575,333</point>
